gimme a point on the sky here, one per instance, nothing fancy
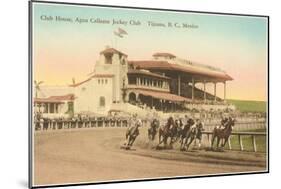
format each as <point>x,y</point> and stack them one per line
<point>63,50</point>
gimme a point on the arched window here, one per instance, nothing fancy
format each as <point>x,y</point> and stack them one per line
<point>102,101</point>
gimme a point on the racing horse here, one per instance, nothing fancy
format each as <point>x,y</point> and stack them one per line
<point>184,132</point>
<point>194,132</point>
<point>152,131</point>
<point>178,130</point>
<point>200,128</point>
<point>167,131</point>
<point>131,134</point>
<point>223,133</point>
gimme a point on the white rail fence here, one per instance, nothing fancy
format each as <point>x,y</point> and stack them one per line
<point>56,124</point>
<point>239,125</point>
<point>239,132</point>
<point>240,135</point>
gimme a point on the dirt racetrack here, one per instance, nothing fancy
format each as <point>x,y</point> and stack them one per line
<point>93,155</point>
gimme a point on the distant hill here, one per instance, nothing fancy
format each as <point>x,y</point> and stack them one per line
<point>249,106</point>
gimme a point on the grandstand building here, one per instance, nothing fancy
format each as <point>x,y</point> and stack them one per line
<point>164,83</point>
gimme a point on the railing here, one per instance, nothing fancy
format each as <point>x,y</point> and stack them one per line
<point>161,89</point>
<point>240,135</point>
<point>239,126</point>
<point>75,124</point>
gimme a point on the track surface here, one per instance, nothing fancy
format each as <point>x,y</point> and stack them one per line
<point>93,155</point>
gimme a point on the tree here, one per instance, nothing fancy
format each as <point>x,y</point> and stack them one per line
<point>37,87</point>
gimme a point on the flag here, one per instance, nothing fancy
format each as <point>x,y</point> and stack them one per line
<point>118,34</point>
<point>121,31</point>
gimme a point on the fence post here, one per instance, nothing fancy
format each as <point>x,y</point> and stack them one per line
<point>209,139</point>
<point>229,143</point>
<point>254,143</point>
<point>240,142</point>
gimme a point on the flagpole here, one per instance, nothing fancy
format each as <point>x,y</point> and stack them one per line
<point>115,42</point>
<point>120,34</point>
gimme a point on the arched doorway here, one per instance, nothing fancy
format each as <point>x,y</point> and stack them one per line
<point>132,97</point>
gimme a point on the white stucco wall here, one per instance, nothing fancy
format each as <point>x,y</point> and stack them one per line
<point>88,96</point>
<point>118,70</point>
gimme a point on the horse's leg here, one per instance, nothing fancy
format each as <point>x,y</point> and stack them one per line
<point>185,142</point>
<point>199,143</point>
<point>213,139</point>
<point>171,143</point>
<point>160,136</point>
<point>132,141</point>
<point>181,148</point>
<point>153,135</point>
<point>222,142</point>
<point>194,142</point>
<point>127,139</point>
<point>165,138</point>
<point>218,142</point>
<point>191,140</point>
<point>225,141</point>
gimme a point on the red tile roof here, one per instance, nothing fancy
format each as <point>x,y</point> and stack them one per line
<point>131,71</point>
<point>165,65</point>
<point>94,76</point>
<point>112,50</point>
<point>102,75</point>
<point>162,95</point>
<point>164,55</point>
<point>55,99</point>
<point>80,83</point>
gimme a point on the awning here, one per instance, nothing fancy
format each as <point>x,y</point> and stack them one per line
<point>55,99</point>
<point>162,95</point>
<point>189,69</point>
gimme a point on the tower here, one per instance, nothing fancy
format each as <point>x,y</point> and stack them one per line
<point>115,63</point>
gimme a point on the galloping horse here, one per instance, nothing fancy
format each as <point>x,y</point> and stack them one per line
<point>185,132</point>
<point>223,133</point>
<point>166,131</point>
<point>153,129</point>
<point>179,128</point>
<point>195,132</point>
<point>200,128</point>
<point>132,133</point>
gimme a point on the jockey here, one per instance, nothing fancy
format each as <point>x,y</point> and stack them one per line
<point>182,123</point>
<point>135,129</point>
<point>224,121</point>
<point>139,122</point>
<point>133,120</point>
<point>154,124</point>
<point>200,127</point>
<point>194,124</point>
<point>132,133</point>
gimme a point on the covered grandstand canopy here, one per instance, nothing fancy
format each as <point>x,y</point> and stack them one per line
<point>165,66</point>
<point>162,95</point>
